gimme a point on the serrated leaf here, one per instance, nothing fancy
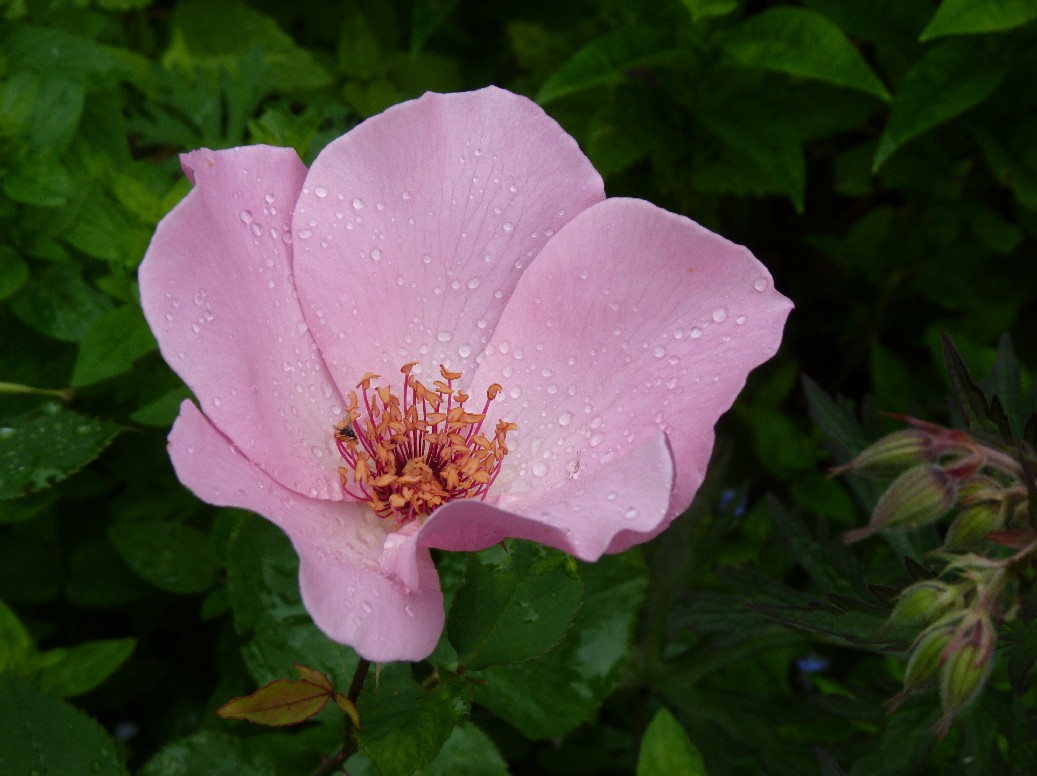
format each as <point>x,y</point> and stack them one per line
<point>173,557</point>
<point>69,671</point>
<point>602,62</point>
<point>574,678</point>
<point>200,39</point>
<point>115,339</point>
<point>47,737</point>
<point>209,753</point>
<point>514,605</point>
<point>468,752</point>
<point>404,725</point>
<point>666,748</point>
<point>828,563</point>
<point>949,79</point>
<point>850,628</point>
<point>282,702</point>
<point>802,42</point>
<point>46,445</point>
<point>971,17</point>
<point>59,303</point>
<point>773,144</point>
<point>968,397</point>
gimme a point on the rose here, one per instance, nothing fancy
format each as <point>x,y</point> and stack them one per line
<point>464,230</point>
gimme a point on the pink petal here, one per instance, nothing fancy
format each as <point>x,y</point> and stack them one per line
<point>341,576</point>
<point>632,320</point>
<point>217,290</point>
<point>413,229</point>
<point>627,497</point>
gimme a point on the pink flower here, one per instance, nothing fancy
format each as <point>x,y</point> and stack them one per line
<point>465,230</point>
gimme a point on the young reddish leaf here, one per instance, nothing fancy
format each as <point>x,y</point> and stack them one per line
<point>313,676</point>
<point>349,707</point>
<point>280,703</point>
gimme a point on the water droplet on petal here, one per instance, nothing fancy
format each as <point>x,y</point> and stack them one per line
<point>720,314</point>
<point>631,513</point>
<point>358,203</point>
<point>508,226</point>
<point>539,469</point>
<point>695,332</point>
<point>444,336</point>
<point>246,216</point>
<point>565,418</point>
<point>320,191</point>
<point>760,284</point>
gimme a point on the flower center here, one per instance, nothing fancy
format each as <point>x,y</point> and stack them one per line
<point>406,456</point>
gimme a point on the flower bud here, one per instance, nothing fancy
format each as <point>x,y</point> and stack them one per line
<point>973,524</point>
<point>962,677</point>
<point>917,497</point>
<point>892,453</point>
<point>923,603</point>
<point>924,665</point>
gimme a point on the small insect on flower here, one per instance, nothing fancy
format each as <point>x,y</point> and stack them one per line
<point>574,466</point>
<point>344,430</point>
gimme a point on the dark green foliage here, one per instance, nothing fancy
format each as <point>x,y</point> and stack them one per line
<point>879,157</point>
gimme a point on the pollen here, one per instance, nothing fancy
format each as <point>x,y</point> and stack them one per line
<point>408,454</point>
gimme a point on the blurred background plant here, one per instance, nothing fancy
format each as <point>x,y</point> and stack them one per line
<point>878,157</point>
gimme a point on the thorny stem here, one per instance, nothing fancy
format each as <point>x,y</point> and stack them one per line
<point>334,763</point>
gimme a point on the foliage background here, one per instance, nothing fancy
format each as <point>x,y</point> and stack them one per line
<point>878,157</point>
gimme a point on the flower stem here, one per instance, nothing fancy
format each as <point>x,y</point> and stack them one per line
<point>335,763</point>
<point>65,394</point>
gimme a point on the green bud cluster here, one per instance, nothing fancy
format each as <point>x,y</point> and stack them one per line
<point>939,472</point>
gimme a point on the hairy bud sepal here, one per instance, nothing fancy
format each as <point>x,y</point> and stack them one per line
<point>917,497</point>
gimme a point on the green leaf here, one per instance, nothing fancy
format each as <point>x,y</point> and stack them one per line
<point>209,753</point>
<point>173,557</point>
<point>46,445</point>
<point>949,79</point>
<point>404,725</point>
<point>468,752</point>
<point>45,109</point>
<point>802,42</point>
<point>15,642</point>
<point>666,748</point>
<point>515,604</point>
<point>709,9</point>
<point>69,671</point>
<point>969,399</point>
<point>277,631</point>
<point>115,339</point>
<point>40,182</point>
<point>604,61</point>
<point>202,37</point>
<point>14,272</point>
<point>59,303</point>
<point>753,131</point>
<point>971,17</point>
<point>426,17</point>
<point>161,412</point>
<point>574,678</point>
<point>46,737</point>
<point>780,445</point>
